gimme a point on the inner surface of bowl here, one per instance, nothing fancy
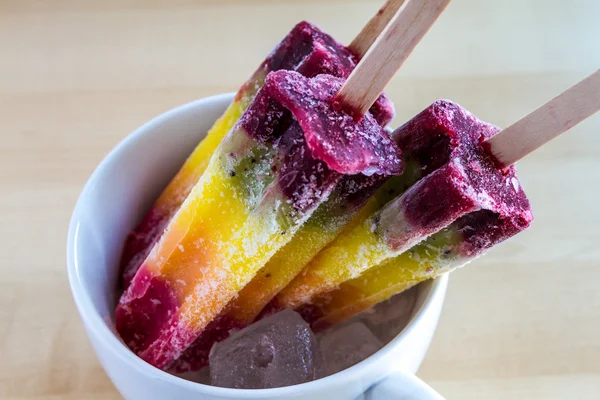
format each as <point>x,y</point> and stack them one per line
<point>124,187</point>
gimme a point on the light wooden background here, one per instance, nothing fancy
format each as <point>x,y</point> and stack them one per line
<point>77,76</point>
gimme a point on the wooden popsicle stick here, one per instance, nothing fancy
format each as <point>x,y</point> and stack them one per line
<point>391,48</point>
<point>547,122</point>
<point>361,43</point>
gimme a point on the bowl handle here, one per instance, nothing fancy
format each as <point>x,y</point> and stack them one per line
<point>401,385</point>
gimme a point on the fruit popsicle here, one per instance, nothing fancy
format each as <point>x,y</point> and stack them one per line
<point>443,142</point>
<point>279,162</point>
<point>306,49</point>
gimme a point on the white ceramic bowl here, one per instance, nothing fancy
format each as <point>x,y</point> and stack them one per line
<point>114,199</point>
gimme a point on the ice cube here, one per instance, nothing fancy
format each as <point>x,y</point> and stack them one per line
<point>388,318</point>
<point>201,376</point>
<point>347,345</point>
<point>277,351</point>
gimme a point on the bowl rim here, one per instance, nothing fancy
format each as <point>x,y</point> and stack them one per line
<point>96,325</point>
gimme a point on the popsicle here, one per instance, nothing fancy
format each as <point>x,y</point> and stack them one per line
<point>443,143</point>
<point>305,49</point>
<point>279,162</point>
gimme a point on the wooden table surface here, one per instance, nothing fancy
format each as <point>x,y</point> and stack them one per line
<point>77,76</point>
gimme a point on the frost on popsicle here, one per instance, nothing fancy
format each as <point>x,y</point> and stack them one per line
<point>305,49</point>
<point>280,161</point>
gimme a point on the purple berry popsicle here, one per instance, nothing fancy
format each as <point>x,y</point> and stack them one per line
<point>444,144</point>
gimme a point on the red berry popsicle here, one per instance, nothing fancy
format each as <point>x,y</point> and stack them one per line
<point>305,49</point>
<point>280,161</point>
<point>444,140</point>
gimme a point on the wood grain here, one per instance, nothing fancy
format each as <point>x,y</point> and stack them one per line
<point>554,118</point>
<point>77,76</point>
<point>389,51</point>
<point>369,33</point>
